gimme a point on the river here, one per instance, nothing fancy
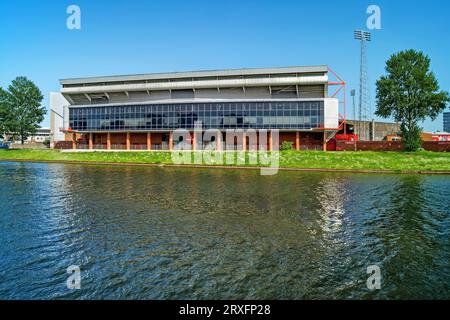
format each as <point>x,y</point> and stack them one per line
<point>160,233</point>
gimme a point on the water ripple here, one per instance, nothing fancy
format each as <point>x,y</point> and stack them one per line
<point>150,233</point>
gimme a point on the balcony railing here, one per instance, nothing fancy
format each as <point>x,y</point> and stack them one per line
<point>118,147</point>
<point>311,147</point>
<point>82,146</point>
<point>99,147</point>
<point>138,147</point>
<point>163,146</point>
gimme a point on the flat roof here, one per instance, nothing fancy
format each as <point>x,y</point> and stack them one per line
<point>437,133</point>
<point>196,74</point>
<point>351,121</point>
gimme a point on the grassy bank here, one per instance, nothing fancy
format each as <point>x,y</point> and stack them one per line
<point>397,161</point>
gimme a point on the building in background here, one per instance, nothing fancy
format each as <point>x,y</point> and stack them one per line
<point>435,136</point>
<point>446,121</point>
<point>41,135</point>
<point>37,140</point>
<point>142,111</point>
<point>375,131</point>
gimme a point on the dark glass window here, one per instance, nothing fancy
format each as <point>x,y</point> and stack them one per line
<point>261,115</point>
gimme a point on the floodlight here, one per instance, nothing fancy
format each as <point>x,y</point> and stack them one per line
<point>362,35</point>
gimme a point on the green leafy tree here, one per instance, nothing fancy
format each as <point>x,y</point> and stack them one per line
<point>410,93</point>
<point>3,98</point>
<point>22,111</point>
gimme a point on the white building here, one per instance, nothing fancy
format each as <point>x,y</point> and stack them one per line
<point>41,135</point>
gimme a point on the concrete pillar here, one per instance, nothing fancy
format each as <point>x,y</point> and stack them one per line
<point>270,141</point>
<point>91,142</point>
<point>324,141</point>
<point>244,142</point>
<point>170,141</point>
<point>219,141</point>
<point>74,141</point>
<point>297,141</point>
<point>149,141</point>
<point>372,131</point>
<point>194,141</point>
<point>128,141</point>
<point>108,141</point>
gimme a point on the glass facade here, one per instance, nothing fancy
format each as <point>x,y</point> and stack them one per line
<point>217,115</point>
<point>447,122</point>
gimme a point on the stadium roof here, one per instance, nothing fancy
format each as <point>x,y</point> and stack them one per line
<point>196,74</point>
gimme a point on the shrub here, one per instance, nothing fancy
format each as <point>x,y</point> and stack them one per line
<point>47,143</point>
<point>286,146</point>
<point>411,137</point>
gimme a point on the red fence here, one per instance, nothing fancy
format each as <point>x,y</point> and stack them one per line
<point>435,146</point>
<point>61,145</point>
<point>441,146</point>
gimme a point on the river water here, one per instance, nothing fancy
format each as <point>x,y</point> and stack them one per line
<point>154,233</point>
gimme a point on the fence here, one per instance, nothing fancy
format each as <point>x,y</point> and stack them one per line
<point>311,147</point>
<point>99,146</point>
<point>138,147</point>
<point>163,146</point>
<point>28,145</point>
<point>82,146</point>
<point>63,145</point>
<point>441,146</point>
<point>435,146</point>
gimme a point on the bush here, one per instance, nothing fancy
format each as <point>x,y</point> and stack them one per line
<point>47,143</point>
<point>411,138</point>
<point>286,146</point>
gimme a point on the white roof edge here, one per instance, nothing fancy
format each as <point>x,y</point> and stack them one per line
<point>192,74</point>
<point>438,132</point>
<point>194,101</point>
<point>196,84</point>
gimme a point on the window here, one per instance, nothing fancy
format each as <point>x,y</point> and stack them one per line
<point>267,115</point>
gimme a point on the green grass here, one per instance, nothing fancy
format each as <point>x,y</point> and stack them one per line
<point>397,161</point>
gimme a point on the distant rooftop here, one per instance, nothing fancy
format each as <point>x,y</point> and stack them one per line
<point>197,74</point>
<point>437,133</point>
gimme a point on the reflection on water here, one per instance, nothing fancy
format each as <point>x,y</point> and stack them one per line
<point>149,233</point>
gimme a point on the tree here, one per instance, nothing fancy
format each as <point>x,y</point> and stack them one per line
<point>410,93</point>
<point>3,98</point>
<point>22,111</point>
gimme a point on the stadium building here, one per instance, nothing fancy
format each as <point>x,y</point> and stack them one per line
<point>141,112</point>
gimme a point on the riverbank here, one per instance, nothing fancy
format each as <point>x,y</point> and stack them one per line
<point>397,162</point>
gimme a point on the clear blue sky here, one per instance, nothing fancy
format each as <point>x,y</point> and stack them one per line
<point>137,36</point>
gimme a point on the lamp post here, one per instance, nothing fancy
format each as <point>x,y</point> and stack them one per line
<point>353,94</point>
<point>363,37</point>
